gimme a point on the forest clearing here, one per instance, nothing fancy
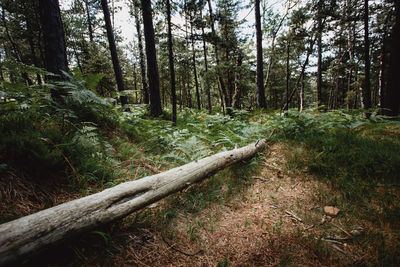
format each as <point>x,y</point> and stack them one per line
<point>199,133</point>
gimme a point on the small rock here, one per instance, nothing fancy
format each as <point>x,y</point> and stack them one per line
<point>331,211</point>
<point>357,231</point>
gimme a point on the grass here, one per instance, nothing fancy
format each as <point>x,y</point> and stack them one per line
<point>93,146</point>
<point>360,162</point>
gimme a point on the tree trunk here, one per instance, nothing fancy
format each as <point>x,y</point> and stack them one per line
<point>350,44</point>
<point>236,99</point>
<point>171,64</point>
<point>287,74</point>
<point>78,61</point>
<point>89,21</point>
<point>30,233</point>
<point>15,48</point>
<point>319,54</point>
<point>270,62</point>
<point>367,82</point>
<point>205,77</point>
<point>152,68</point>
<point>393,94</point>
<point>301,95</point>
<point>301,76</point>
<point>260,72</point>
<point>145,89</point>
<point>135,83</point>
<point>53,35</point>
<point>216,48</point>
<point>196,81</point>
<point>114,55</point>
<point>32,47</point>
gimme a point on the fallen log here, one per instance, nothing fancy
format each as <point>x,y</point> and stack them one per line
<point>31,233</point>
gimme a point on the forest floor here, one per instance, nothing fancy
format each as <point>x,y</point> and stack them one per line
<point>268,211</point>
<point>277,220</point>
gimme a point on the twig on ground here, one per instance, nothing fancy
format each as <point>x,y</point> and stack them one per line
<point>296,184</point>
<point>338,238</point>
<point>344,231</point>
<point>294,216</point>
<point>180,251</point>
<point>339,249</point>
<point>309,227</point>
<point>260,178</point>
<point>332,241</point>
<point>342,251</point>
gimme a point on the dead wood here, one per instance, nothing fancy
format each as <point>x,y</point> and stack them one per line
<point>31,233</point>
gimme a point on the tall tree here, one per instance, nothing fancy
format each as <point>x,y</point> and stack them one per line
<point>145,89</point>
<point>394,68</point>
<point>53,36</point>
<point>320,29</point>
<point>236,98</point>
<point>89,20</point>
<point>114,55</point>
<point>367,82</point>
<point>152,68</point>
<point>196,82</point>
<point>205,77</point>
<point>16,50</point>
<point>171,64</point>
<point>260,72</point>
<point>217,59</point>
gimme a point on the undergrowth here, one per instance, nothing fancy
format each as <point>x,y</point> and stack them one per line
<point>343,147</point>
<point>46,137</point>
<point>83,138</point>
<point>359,158</point>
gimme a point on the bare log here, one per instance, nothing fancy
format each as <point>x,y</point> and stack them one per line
<point>31,233</point>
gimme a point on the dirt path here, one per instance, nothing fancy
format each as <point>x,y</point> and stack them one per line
<point>277,221</point>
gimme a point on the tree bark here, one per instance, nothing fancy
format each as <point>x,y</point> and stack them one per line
<point>287,74</point>
<point>196,82</point>
<point>319,54</point>
<point>367,82</point>
<point>28,234</point>
<point>53,35</point>
<point>145,89</point>
<point>32,48</point>
<point>301,76</point>
<point>114,55</point>
<point>236,98</point>
<point>393,94</point>
<point>16,51</point>
<point>152,67</point>
<point>260,72</point>
<point>382,73</point>
<point>216,48</point>
<point>171,64</point>
<point>89,21</point>
<point>135,83</point>
<point>301,95</point>
<point>206,85</point>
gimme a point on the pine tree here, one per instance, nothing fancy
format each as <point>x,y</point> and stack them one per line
<point>152,68</point>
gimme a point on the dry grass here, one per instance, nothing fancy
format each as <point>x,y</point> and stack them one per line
<point>277,221</point>
<point>252,229</point>
<point>21,196</point>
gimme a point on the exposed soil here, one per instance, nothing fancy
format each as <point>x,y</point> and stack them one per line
<point>277,221</point>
